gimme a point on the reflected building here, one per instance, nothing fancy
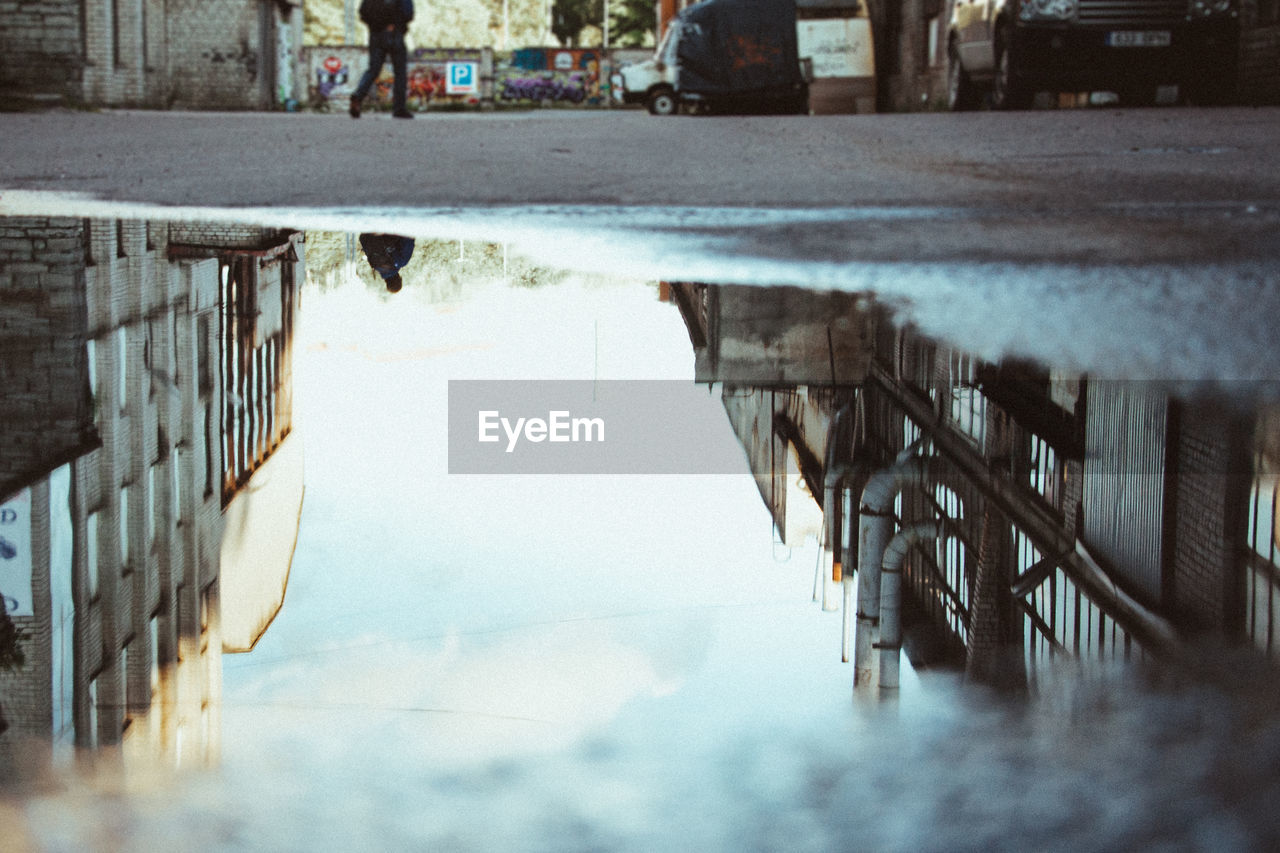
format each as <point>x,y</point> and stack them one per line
<point>1028,515</point>
<point>154,386</point>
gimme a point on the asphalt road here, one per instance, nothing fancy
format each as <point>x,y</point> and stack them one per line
<point>1101,185</point>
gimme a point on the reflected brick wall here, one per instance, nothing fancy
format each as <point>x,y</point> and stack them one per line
<point>45,416</point>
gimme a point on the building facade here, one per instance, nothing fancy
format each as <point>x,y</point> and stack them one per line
<point>1041,516</point>
<point>185,54</point>
<point>120,592</point>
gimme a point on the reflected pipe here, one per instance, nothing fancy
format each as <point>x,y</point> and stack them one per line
<point>895,555</point>
<point>836,504</point>
<point>833,472</point>
<point>875,529</point>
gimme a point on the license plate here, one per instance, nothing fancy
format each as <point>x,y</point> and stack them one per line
<point>1139,38</point>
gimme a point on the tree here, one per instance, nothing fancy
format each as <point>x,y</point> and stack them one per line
<point>570,17</point>
<point>632,23</point>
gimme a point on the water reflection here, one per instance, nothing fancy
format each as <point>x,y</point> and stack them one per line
<point>388,254</point>
<point>604,662</point>
<point>151,483</point>
<point>1095,518</point>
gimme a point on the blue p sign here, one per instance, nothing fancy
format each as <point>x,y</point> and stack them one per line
<point>461,78</point>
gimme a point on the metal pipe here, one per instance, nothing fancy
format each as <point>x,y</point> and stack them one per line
<point>895,555</point>
<point>847,582</point>
<point>832,473</point>
<point>1151,630</point>
<point>875,529</point>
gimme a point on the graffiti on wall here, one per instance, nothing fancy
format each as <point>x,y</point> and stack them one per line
<point>284,65</point>
<point>336,71</point>
<point>332,75</point>
<point>241,55</point>
<point>527,77</point>
<point>550,75</point>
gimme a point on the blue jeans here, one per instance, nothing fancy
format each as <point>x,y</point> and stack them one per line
<point>381,45</point>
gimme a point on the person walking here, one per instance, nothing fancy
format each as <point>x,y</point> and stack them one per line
<point>388,254</point>
<point>388,21</point>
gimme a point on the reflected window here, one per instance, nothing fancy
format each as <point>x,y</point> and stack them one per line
<point>91,736</point>
<point>91,554</point>
<point>1045,472</point>
<point>1262,571</point>
<point>175,490</point>
<point>153,631</point>
<point>204,361</point>
<point>124,528</point>
<point>122,364</point>
<point>968,404</point>
<point>124,681</point>
<point>151,507</point>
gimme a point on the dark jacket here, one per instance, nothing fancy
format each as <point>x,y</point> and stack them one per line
<point>387,253</point>
<point>378,14</point>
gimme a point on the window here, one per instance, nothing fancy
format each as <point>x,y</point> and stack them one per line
<point>968,404</point>
<point>122,365</point>
<point>204,361</point>
<point>124,528</point>
<point>175,465</point>
<point>151,507</point>
<point>153,629</point>
<point>91,554</point>
<point>1262,575</point>
<point>91,737</point>
<point>1046,472</point>
<point>91,360</point>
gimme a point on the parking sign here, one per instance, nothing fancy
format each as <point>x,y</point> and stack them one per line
<point>462,77</point>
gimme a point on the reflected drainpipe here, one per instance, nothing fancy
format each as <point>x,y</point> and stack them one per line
<point>895,554</point>
<point>875,528</point>
<point>835,471</point>
<point>839,481</point>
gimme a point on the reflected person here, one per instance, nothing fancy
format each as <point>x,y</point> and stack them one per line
<point>388,21</point>
<point>388,254</point>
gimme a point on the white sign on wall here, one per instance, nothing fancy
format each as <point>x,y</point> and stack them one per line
<point>839,47</point>
<point>15,554</point>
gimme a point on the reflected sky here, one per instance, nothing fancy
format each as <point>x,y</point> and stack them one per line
<point>527,611</point>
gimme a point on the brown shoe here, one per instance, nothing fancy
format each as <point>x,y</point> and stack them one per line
<point>402,114</point>
<point>354,109</point>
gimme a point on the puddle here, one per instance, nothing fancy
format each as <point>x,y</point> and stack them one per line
<point>266,601</point>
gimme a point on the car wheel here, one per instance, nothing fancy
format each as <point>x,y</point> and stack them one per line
<point>1209,90</point>
<point>662,103</point>
<point>961,94</point>
<point>1006,92</point>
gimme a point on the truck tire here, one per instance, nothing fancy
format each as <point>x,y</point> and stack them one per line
<point>662,102</point>
<point>1211,89</point>
<point>1007,92</point>
<point>962,95</point>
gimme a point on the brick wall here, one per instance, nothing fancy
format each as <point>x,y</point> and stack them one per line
<point>224,236</point>
<point>46,418</point>
<point>145,512</point>
<point>219,56</point>
<point>1208,486</point>
<point>41,48</point>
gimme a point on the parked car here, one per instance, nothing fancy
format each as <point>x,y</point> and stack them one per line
<point>738,55</point>
<point>1011,49</point>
